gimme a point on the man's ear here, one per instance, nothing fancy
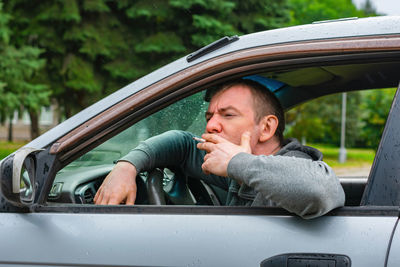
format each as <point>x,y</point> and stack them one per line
<point>268,126</point>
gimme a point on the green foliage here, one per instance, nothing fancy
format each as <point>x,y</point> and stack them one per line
<point>58,10</point>
<point>319,121</point>
<point>209,30</point>
<point>19,87</point>
<point>120,68</point>
<point>218,5</point>
<point>247,21</point>
<point>94,47</point>
<point>303,122</point>
<point>161,42</point>
<point>303,12</point>
<point>157,10</point>
<point>95,6</point>
<point>80,75</point>
<point>17,69</point>
<point>85,49</point>
<point>4,30</point>
<point>376,106</point>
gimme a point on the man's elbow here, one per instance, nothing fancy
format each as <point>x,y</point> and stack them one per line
<point>323,201</point>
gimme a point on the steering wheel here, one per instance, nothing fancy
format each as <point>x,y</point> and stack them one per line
<point>180,190</point>
<point>155,188</point>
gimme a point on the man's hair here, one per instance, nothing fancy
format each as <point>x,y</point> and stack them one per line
<point>265,102</point>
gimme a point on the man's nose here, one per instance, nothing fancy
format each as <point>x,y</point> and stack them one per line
<point>213,125</point>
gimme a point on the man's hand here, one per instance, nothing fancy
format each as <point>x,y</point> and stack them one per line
<point>119,186</point>
<point>220,151</point>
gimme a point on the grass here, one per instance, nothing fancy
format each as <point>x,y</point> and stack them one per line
<point>6,148</point>
<point>355,156</point>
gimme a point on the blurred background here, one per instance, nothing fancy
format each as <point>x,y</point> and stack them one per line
<point>58,57</point>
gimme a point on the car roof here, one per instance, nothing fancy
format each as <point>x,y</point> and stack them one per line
<point>385,25</point>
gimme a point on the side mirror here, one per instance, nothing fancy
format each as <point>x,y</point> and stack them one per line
<point>18,177</point>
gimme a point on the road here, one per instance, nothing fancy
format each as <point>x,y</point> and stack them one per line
<point>352,171</point>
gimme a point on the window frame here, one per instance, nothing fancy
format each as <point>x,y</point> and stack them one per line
<point>190,80</point>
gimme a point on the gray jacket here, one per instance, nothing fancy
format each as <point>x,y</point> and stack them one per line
<point>295,178</point>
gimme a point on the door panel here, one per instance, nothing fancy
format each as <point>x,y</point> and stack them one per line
<point>70,239</point>
<point>394,255</point>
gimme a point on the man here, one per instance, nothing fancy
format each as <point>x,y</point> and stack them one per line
<point>244,153</point>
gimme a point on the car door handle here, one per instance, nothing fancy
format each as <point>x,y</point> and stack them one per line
<point>307,260</point>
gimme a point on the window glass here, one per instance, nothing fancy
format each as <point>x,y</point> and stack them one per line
<point>187,115</point>
<point>79,181</point>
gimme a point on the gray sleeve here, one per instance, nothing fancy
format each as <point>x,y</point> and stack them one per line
<point>175,150</point>
<point>302,186</point>
<point>172,148</point>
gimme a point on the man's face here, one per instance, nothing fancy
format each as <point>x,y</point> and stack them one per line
<point>231,113</point>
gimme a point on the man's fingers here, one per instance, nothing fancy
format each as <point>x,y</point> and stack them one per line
<point>106,198</point>
<point>204,168</point>
<point>97,198</point>
<point>97,195</point>
<point>205,163</point>
<point>102,200</point>
<point>100,197</point>
<point>245,141</point>
<point>213,138</point>
<point>207,146</point>
<point>206,156</point>
<point>119,186</point>
<point>130,199</point>
<point>114,200</point>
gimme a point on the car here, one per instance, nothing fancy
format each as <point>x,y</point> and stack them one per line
<point>47,216</point>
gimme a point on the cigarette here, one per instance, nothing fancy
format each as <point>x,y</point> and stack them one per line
<point>201,140</point>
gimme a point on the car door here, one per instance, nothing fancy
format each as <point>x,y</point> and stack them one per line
<point>147,236</point>
<point>71,234</point>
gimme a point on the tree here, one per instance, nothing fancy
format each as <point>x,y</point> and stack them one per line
<point>200,22</point>
<point>376,105</point>
<point>368,8</point>
<point>74,44</point>
<point>18,87</point>
<point>308,11</point>
<point>319,120</point>
<point>94,47</point>
<point>6,104</point>
<point>323,115</point>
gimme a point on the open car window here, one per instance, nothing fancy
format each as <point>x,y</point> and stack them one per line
<point>321,123</point>
<point>79,180</point>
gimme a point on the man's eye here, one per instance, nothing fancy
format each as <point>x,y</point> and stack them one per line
<point>229,115</point>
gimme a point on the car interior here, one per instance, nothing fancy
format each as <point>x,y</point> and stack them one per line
<point>78,181</point>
